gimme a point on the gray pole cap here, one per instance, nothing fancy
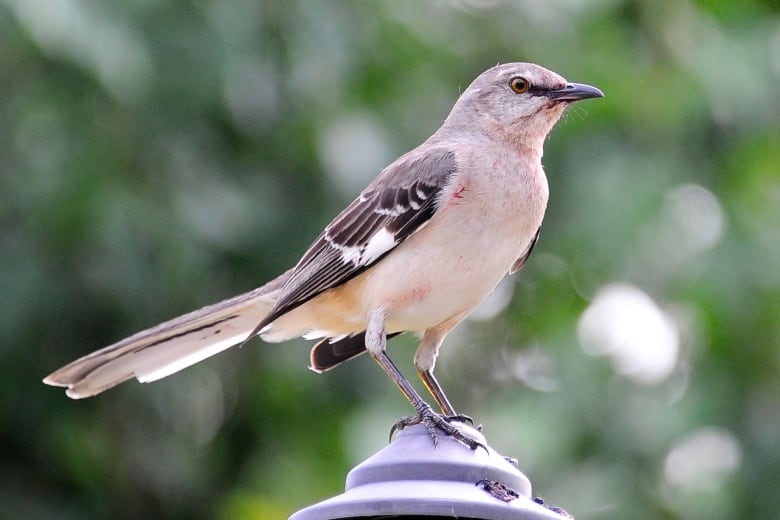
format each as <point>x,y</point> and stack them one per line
<point>410,477</point>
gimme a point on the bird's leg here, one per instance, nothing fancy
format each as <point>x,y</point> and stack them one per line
<point>436,391</point>
<point>425,360</point>
<point>433,386</point>
<point>376,342</point>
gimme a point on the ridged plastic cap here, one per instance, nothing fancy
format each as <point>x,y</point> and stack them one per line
<point>410,477</point>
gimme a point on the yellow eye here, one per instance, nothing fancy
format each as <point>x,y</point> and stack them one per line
<point>519,85</point>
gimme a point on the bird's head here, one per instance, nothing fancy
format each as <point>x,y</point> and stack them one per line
<point>518,101</point>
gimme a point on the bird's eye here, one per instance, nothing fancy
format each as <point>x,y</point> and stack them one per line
<point>520,85</point>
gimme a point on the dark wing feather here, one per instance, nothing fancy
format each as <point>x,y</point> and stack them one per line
<point>396,205</point>
<point>520,262</point>
<point>328,354</point>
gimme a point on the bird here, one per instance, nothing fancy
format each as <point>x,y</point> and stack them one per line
<point>418,249</point>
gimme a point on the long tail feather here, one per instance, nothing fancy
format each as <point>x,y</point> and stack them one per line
<point>170,346</point>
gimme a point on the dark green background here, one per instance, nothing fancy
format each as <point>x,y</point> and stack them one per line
<point>156,156</point>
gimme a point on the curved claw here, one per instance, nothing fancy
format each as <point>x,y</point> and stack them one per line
<point>402,423</point>
<point>464,419</point>
<point>459,418</point>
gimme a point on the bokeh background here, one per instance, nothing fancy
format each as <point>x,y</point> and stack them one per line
<point>158,156</point>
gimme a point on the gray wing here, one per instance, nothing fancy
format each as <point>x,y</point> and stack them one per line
<point>400,201</point>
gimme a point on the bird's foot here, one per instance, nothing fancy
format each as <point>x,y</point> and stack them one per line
<point>433,421</point>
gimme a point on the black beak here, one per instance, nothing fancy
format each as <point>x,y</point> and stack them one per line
<point>574,92</point>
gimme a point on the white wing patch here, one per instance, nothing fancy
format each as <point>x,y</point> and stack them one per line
<point>380,243</point>
<point>349,254</point>
<point>365,254</point>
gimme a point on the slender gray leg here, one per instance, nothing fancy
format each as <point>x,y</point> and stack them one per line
<point>376,341</point>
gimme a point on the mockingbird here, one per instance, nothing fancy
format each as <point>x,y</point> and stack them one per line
<point>416,251</point>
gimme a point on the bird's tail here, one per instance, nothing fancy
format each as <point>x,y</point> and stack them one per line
<point>170,346</point>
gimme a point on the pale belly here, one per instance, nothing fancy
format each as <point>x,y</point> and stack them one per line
<point>420,290</point>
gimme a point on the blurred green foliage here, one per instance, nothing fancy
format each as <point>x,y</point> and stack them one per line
<point>159,156</point>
